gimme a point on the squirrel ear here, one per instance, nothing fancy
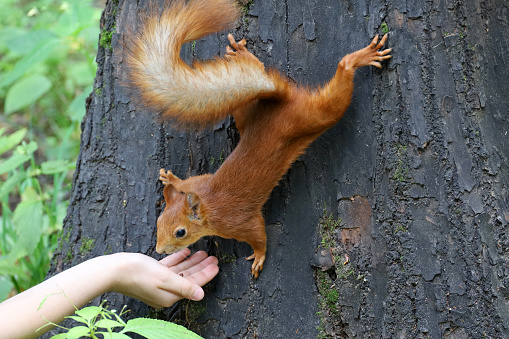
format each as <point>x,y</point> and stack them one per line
<point>193,203</point>
<point>169,193</point>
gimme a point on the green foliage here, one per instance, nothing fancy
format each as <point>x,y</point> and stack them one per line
<point>106,36</point>
<point>384,27</point>
<point>401,171</point>
<point>29,228</point>
<point>328,226</point>
<point>47,52</point>
<point>98,320</point>
<point>87,244</point>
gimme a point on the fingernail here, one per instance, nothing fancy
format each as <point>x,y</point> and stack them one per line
<point>198,295</point>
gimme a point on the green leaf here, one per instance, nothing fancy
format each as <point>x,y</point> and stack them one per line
<point>23,44</point>
<point>78,319</point>
<point>39,53</point>
<point>9,141</point>
<point>82,73</point>
<point>75,18</point>
<point>28,149</point>
<point>13,162</point>
<point>114,335</point>
<point>9,33</point>
<point>10,183</point>
<point>77,107</point>
<point>8,267</point>
<point>78,332</point>
<point>89,313</point>
<point>25,92</point>
<point>27,219</point>
<point>5,287</point>
<point>108,323</point>
<point>158,329</point>
<point>55,166</point>
<point>59,336</point>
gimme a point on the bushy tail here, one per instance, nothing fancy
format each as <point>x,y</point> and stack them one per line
<point>205,93</point>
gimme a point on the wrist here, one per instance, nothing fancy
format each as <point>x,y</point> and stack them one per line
<point>112,268</point>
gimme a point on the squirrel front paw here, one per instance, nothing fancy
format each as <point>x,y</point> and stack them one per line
<point>257,266</point>
<point>369,55</point>
<point>167,177</point>
<point>239,50</point>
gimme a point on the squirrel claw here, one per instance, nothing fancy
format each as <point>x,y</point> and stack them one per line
<point>257,264</point>
<point>166,177</point>
<point>370,55</point>
<point>238,49</point>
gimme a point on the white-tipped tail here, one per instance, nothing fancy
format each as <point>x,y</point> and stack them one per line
<point>208,91</point>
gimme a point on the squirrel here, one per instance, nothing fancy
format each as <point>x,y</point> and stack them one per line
<point>276,120</point>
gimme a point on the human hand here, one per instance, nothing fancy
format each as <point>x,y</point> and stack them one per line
<point>162,283</point>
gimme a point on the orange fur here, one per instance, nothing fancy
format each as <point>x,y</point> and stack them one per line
<point>277,120</point>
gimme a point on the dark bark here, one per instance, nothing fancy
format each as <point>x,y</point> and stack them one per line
<point>417,171</point>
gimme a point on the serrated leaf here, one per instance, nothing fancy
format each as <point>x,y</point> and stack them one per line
<point>39,53</point>
<point>78,332</point>
<point>108,323</point>
<point>89,313</point>
<point>9,141</point>
<point>25,92</point>
<point>158,329</point>
<point>13,162</point>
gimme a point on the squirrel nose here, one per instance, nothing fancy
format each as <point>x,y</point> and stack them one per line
<point>160,249</point>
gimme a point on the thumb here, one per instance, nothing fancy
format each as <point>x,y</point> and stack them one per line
<point>191,291</point>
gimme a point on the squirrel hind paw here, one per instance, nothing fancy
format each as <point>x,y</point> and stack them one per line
<point>257,264</point>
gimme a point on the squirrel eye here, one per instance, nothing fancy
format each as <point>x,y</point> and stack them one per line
<point>180,233</point>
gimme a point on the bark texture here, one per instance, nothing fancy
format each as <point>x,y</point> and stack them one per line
<point>417,171</point>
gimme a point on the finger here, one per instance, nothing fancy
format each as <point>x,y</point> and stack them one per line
<point>204,276</point>
<point>182,287</point>
<point>175,258</point>
<point>200,266</point>
<point>384,57</point>
<point>376,64</point>
<point>190,290</point>
<point>189,262</point>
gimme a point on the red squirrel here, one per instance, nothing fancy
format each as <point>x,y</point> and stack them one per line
<point>276,119</point>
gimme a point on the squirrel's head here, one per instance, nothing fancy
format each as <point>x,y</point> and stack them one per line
<point>182,222</point>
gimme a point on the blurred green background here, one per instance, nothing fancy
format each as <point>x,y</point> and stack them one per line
<point>47,68</point>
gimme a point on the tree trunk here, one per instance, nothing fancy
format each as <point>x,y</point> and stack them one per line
<point>417,171</point>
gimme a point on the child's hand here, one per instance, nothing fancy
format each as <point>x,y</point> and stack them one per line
<point>162,283</point>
